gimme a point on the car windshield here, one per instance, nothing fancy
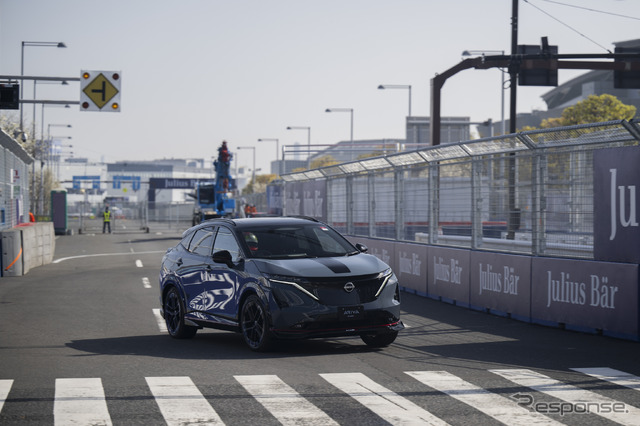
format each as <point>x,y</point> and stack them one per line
<point>286,242</point>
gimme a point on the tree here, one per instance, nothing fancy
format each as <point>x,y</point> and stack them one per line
<point>324,161</point>
<point>260,184</point>
<point>594,109</point>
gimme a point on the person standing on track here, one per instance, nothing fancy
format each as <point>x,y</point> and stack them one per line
<point>106,219</point>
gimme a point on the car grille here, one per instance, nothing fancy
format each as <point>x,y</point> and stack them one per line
<point>331,291</point>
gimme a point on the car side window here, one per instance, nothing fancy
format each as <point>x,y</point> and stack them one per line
<point>226,241</point>
<point>202,242</point>
<point>186,240</point>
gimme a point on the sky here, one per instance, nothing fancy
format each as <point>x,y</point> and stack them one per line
<point>197,72</point>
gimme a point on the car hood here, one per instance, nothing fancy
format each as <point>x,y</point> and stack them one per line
<point>360,264</point>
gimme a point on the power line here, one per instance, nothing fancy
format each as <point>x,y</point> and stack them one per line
<point>568,26</point>
<point>593,10</point>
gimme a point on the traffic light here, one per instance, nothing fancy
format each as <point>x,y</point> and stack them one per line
<point>626,79</point>
<point>9,96</point>
<point>538,76</point>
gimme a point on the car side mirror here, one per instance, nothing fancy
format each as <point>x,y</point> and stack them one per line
<point>223,256</point>
<point>362,248</point>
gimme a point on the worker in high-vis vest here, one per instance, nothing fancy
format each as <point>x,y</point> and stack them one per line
<point>106,220</point>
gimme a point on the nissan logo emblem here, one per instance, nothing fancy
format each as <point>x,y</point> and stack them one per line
<point>348,287</point>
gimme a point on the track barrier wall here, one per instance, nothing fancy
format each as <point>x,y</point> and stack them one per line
<point>541,226</point>
<point>27,246</point>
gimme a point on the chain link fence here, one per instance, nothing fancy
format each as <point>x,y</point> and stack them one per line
<point>529,193</point>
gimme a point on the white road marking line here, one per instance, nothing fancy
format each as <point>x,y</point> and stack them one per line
<point>617,377</point>
<point>5,387</point>
<point>80,402</point>
<point>139,263</point>
<point>161,324</point>
<point>181,402</point>
<point>146,283</point>
<point>387,404</point>
<point>286,405</point>
<point>572,394</point>
<point>500,408</point>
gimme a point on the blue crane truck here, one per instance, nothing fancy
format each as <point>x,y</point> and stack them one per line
<point>213,198</point>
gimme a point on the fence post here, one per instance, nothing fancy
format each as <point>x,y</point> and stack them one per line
<point>398,200</point>
<point>476,202</point>
<point>348,202</point>
<point>434,202</point>
<point>371,190</point>
<point>538,200</point>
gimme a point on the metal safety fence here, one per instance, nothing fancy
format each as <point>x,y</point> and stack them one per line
<point>129,217</point>
<point>530,192</point>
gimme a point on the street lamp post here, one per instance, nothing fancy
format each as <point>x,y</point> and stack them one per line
<point>277,151</point>
<point>33,44</point>
<point>35,83</point>
<point>308,129</point>
<point>253,171</point>
<point>494,52</point>
<point>350,111</point>
<point>398,86</point>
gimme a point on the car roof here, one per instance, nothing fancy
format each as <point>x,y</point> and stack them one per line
<point>262,221</point>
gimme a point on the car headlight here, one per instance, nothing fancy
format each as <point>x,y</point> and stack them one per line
<point>386,277</point>
<point>291,281</point>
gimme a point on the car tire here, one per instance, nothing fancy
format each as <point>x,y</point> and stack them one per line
<point>379,340</point>
<point>254,324</point>
<point>174,316</point>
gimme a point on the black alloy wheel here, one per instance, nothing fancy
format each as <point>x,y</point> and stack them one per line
<point>174,316</point>
<point>255,325</point>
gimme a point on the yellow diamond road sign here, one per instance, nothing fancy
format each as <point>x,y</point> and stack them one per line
<point>100,91</point>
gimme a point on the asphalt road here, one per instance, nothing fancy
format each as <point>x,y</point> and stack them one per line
<point>80,344</point>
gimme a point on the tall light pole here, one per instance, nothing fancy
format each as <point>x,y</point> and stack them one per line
<point>308,129</point>
<point>33,44</point>
<point>350,111</point>
<point>398,86</point>
<point>277,151</point>
<point>253,172</point>
<point>492,52</point>
<point>35,83</point>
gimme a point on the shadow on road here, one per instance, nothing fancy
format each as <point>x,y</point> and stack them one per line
<point>211,345</point>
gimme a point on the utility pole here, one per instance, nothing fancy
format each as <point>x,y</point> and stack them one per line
<point>513,219</point>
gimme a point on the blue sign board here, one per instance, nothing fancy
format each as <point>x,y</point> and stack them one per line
<point>119,180</point>
<point>95,181</point>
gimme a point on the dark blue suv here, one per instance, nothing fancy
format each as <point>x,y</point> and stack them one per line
<point>277,278</point>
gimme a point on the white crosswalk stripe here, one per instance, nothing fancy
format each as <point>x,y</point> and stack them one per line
<point>617,377</point>
<point>286,405</point>
<point>595,403</point>
<point>5,387</point>
<point>181,402</point>
<point>80,402</point>
<point>385,403</point>
<point>500,408</point>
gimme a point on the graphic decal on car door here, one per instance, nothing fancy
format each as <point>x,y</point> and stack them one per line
<point>219,290</point>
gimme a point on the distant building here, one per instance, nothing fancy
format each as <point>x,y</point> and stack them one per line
<point>452,129</point>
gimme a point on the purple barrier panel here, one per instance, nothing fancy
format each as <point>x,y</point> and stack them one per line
<point>586,295</point>
<point>448,276</point>
<point>615,204</point>
<point>501,282</point>
<point>411,266</point>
